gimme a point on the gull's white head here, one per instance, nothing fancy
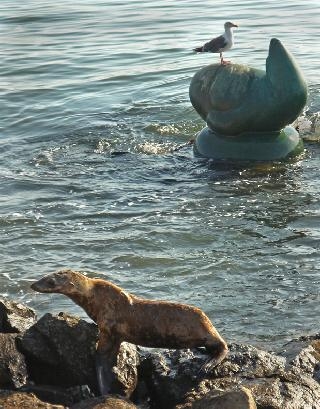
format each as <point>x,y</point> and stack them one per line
<point>228,24</point>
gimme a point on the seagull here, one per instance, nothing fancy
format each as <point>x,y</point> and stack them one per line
<point>219,44</point>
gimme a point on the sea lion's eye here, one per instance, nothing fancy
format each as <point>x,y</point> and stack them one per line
<point>51,282</point>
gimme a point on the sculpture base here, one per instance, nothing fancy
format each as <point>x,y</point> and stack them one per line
<point>255,146</point>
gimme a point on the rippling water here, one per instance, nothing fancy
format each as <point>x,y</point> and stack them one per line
<point>94,101</point>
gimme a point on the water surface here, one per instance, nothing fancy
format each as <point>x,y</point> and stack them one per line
<point>94,100</point>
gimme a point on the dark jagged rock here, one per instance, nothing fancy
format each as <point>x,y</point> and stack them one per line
<point>303,354</point>
<point>170,374</point>
<point>13,370</point>
<point>59,395</point>
<point>59,354</point>
<point>174,379</point>
<point>22,400</point>
<point>105,402</point>
<point>286,392</point>
<point>15,317</point>
<point>60,350</point>
<point>250,362</point>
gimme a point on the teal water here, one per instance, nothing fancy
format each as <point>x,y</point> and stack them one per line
<point>94,99</point>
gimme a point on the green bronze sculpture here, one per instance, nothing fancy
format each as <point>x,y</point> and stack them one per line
<point>246,109</point>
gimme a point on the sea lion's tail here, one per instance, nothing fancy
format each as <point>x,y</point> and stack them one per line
<point>198,49</point>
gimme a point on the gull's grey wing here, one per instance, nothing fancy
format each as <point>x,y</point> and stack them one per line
<point>215,44</point>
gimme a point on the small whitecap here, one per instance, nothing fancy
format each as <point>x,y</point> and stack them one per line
<point>102,146</point>
<point>154,148</point>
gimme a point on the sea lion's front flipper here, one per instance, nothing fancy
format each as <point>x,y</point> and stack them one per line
<point>106,359</point>
<point>105,375</point>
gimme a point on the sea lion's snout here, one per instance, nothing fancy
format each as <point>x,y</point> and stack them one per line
<point>45,285</point>
<point>59,282</point>
<point>34,286</point>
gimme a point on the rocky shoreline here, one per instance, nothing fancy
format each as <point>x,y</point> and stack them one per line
<point>49,363</point>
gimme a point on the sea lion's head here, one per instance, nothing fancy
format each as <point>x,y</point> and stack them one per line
<point>66,282</point>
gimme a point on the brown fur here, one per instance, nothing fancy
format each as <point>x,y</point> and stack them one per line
<point>121,316</point>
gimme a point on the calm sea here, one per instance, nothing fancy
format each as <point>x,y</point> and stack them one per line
<point>94,99</point>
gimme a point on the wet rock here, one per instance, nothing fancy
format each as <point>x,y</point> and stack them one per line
<point>59,395</point>
<point>13,370</point>
<point>285,393</point>
<point>169,375</point>
<point>217,399</point>
<point>250,362</point>
<point>60,350</point>
<point>22,400</point>
<point>172,374</point>
<point>126,372</point>
<point>303,354</point>
<point>105,402</point>
<point>15,317</point>
<point>277,392</point>
<point>173,378</point>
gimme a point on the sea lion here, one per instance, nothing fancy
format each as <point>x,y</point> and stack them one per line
<point>121,316</point>
<point>237,99</point>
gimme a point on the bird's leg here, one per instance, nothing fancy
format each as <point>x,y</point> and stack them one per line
<point>222,61</point>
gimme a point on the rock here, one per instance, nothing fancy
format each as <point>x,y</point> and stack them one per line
<point>15,317</point>
<point>250,362</point>
<point>303,354</point>
<point>105,402</point>
<point>59,395</point>
<point>169,375</point>
<point>173,378</point>
<point>21,400</point>
<point>172,374</point>
<point>13,370</point>
<point>285,393</point>
<point>308,126</point>
<point>126,372</point>
<point>217,399</point>
<point>236,99</point>
<point>60,350</point>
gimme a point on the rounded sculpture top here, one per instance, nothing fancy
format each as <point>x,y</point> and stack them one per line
<point>234,99</point>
